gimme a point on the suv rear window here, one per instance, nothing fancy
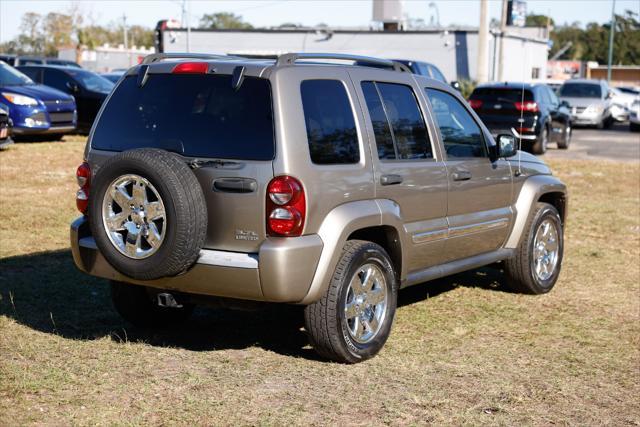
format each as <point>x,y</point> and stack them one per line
<point>501,95</point>
<point>194,115</point>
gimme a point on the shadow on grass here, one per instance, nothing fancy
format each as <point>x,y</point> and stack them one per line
<point>45,291</point>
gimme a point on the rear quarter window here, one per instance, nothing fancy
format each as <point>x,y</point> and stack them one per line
<point>331,127</point>
<point>191,114</point>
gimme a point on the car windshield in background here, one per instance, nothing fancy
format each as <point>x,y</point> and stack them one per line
<point>581,90</point>
<point>92,81</point>
<point>194,115</point>
<point>9,76</point>
<point>501,94</point>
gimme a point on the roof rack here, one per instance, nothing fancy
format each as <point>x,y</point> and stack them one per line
<point>284,59</point>
<point>291,58</point>
<point>157,57</point>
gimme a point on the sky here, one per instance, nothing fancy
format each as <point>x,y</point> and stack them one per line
<point>335,13</point>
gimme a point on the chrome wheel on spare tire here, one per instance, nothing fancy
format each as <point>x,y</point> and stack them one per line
<point>133,216</point>
<point>147,213</point>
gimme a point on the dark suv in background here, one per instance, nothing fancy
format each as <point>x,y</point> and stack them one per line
<point>532,110</point>
<point>88,88</point>
<point>16,60</point>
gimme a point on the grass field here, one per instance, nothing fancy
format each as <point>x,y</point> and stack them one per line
<point>462,351</point>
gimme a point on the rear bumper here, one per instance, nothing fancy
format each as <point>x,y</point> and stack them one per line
<point>282,271</point>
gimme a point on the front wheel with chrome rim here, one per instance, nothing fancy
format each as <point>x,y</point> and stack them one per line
<point>536,265</point>
<point>352,320</point>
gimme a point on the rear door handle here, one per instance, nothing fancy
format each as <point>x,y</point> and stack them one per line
<point>235,185</point>
<point>390,179</point>
<point>461,176</point>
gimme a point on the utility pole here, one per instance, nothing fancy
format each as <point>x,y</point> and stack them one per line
<point>126,39</point>
<point>503,28</point>
<point>612,31</point>
<point>482,72</point>
<point>124,30</point>
<point>188,25</point>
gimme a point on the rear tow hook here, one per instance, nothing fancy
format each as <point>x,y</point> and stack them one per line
<point>168,301</point>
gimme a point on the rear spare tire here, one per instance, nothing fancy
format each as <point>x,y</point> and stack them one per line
<point>147,214</point>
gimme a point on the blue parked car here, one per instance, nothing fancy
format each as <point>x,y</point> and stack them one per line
<point>35,109</point>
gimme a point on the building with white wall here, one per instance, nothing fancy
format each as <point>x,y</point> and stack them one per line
<point>106,58</point>
<point>453,50</point>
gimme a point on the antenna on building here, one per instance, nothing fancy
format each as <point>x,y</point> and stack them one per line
<point>436,14</point>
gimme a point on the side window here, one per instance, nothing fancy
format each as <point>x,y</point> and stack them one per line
<point>544,95</point>
<point>404,122</point>
<point>437,74</point>
<point>381,129</point>
<point>33,73</point>
<point>424,69</point>
<point>461,135</point>
<point>56,79</point>
<point>331,127</point>
<point>552,96</point>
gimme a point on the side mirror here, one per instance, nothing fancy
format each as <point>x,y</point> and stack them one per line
<point>73,87</point>
<point>506,146</point>
<point>609,95</point>
<point>456,85</point>
<point>565,104</point>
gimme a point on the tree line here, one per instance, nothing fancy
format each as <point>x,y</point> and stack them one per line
<point>591,43</point>
<point>45,34</point>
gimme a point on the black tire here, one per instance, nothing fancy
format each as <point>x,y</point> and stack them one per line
<point>519,270</point>
<point>634,127</point>
<point>137,305</point>
<point>608,123</point>
<point>185,210</point>
<point>325,320</point>
<point>566,137</point>
<point>540,146</point>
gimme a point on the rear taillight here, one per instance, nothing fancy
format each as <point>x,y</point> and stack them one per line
<point>83,176</point>
<point>475,103</point>
<point>286,207</point>
<point>529,106</point>
<point>191,68</point>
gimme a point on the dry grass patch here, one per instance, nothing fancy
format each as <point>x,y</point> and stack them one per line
<point>463,351</point>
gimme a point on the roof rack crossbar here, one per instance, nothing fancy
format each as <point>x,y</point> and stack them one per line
<point>291,58</point>
<point>157,57</point>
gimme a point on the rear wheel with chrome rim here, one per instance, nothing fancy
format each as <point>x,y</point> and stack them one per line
<point>536,266</point>
<point>352,320</point>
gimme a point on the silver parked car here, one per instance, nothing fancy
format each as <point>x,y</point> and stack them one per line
<point>590,102</point>
<point>329,186</point>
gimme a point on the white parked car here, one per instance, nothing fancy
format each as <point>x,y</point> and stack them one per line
<point>634,116</point>
<point>621,104</point>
